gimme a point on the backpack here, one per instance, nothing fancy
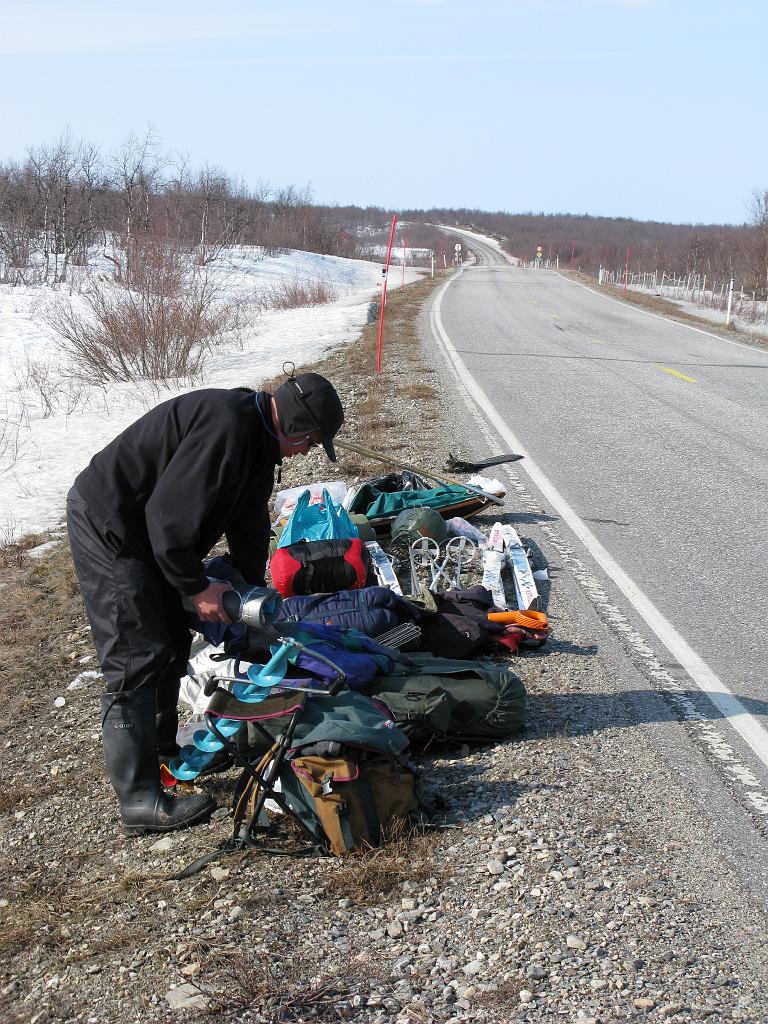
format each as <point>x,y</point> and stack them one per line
<point>439,699</point>
<point>352,804</point>
<point>347,778</point>
<point>321,567</point>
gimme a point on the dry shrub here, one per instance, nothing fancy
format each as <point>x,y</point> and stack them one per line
<point>159,325</point>
<point>296,293</point>
<point>13,424</point>
<point>273,984</point>
<point>14,550</point>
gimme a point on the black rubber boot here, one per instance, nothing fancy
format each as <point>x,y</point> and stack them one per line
<point>129,735</point>
<point>167,722</point>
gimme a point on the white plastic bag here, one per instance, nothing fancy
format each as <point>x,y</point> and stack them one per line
<point>201,668</point>
<point>285,500</point>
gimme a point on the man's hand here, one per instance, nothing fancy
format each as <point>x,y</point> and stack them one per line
<point>208,603</point>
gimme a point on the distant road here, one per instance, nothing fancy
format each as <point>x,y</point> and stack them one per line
<point>655,434</point>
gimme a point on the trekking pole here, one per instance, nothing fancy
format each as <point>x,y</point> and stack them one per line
<point>398,464</point>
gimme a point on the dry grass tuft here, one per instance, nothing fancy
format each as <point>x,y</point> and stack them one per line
<point>14,796</point>
<point>421,391</point>
<point>366,877</point>
<point>507,994</point>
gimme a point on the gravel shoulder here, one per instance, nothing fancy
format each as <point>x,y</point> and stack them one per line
<point>572,877</point>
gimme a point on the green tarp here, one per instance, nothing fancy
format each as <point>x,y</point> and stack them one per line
<point>377,504</point>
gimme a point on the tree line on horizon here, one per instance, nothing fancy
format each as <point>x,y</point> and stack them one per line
<point>66,198</point>
<point>718,251</point>
<point>63,199</point>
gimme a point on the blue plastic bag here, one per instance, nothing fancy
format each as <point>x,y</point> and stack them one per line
<point>325,521</point>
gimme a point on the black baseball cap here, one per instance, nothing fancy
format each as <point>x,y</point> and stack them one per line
<point>310,402</point>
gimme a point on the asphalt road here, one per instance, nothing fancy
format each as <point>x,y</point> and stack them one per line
<point>656,434</point>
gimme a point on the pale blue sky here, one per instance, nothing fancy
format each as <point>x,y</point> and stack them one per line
<point>646,108</point>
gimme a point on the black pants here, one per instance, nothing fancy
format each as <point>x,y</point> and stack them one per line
<point>139,626</point>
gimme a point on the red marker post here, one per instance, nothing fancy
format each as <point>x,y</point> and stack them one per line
<point>384,293</point>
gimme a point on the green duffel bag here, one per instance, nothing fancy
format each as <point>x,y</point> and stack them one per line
<point>439,699</point>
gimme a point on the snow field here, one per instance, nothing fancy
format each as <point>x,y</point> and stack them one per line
<point>51,425</point>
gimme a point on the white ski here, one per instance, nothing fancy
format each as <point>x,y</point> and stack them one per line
<point>493,560</point>
<point>525,585</point>
<point>383,567</point>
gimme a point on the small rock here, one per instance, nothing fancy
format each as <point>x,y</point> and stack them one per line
<point>219,874</point>
<point>162,845</point>
<point>526,996</point>
<point>574,942</point>
<point>394,930</point>
<point>190,969</point>
<point>495,867</point>
<point>643,1003</point>
<point>473,967</point>
<point>59,702</point>
<point>186,997</point>
<point>236,913</point>
<point>670,1009</point>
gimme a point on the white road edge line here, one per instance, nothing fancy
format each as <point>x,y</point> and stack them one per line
<point>660,316</point>
<point>697,669</point>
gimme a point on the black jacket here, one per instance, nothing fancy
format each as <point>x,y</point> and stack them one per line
<point>189,471</point>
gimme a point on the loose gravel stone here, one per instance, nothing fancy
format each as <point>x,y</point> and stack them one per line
<point>186,997</point>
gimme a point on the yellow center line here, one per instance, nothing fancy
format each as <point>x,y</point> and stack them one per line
<point>597,341</point>
<point>675,373</point>
<point>555,316</point>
